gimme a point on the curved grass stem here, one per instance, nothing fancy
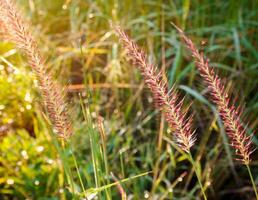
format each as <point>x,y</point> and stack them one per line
<point>197,175</point>
<point>252,180</point>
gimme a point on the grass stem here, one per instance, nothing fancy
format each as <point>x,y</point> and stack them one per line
<point>78,171</point>
<point>197,175</point>
<point>252,180</point>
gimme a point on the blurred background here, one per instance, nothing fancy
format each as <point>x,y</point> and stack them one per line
<point>85,56</point>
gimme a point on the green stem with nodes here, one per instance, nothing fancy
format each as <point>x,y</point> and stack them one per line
<point>197,175</point>
<point>252,180</point>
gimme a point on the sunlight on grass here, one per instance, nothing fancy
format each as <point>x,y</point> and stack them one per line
<point>121,146</point>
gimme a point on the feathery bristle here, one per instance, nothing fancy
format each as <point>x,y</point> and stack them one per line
<point>168,101</point>
<point>18,33</point>
<point>231,115</point>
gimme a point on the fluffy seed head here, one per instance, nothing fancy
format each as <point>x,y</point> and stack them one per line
<point>17,31</point>
<point>230,114</point>
<point>168,101</point>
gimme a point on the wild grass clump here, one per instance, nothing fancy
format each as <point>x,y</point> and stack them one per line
<point>121,147</point>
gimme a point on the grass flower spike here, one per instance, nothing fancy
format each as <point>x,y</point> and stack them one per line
<point>165,100</point>
<point>18,32</point>
<point>231,115</point>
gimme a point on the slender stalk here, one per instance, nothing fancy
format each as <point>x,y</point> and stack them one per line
<point>252,180</point>
<point>60,147</point>
<point>122,163</point>
<point>93,143</point>
<point>197,174</point>
<point>93,152</point>
<point>78,171</point>
<point>103,151</point>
